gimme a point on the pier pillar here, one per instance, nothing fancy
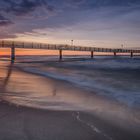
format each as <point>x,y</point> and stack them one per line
<point>92,54</point>
<point>131,54</point>
<point>115,54</point>
<point>2,43</point>
<point>13,53</point>
<point>60,54</point>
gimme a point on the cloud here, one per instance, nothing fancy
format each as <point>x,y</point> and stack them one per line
<point>23,7</point>
<point>5,36</point>
<point>91,4</point>
<point>4,21</point>
<point>13,11</point>
<point>87,16</point>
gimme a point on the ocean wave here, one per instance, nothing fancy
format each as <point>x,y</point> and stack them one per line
<point>118,79</point>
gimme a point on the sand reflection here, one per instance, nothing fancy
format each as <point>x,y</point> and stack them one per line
<point>6,72</point>
<point>8,75</point>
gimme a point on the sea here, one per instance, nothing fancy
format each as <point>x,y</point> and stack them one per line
<point>107,86</point>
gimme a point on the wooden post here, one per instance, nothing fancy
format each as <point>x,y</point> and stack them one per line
<point>13,52</point>
<point>2,43</point>
<point>131,54</point>
<point>60,54</point>
<point>115,54</point>
<point>92,54</point>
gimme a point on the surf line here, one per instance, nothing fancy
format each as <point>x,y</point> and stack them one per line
<point>95,129</point>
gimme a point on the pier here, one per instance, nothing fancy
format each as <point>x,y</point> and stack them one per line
<point>24,45</point>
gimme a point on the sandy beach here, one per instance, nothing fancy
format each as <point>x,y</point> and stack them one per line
<point>22,123</point>
<point>34,107</point>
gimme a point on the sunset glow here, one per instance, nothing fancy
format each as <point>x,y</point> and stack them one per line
<point>87,22</point>
<point>69,69</point>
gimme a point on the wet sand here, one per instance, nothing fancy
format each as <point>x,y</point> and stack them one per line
<point>24,123</point>
<point>29,123</point>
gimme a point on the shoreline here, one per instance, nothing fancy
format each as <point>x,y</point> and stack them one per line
<point>98,101</point>
<point>63,80</point>
<point>64,125</point>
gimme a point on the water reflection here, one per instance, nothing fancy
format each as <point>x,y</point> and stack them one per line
<point>7,77</point>
<point>54,90</point>
<point>15,83</point>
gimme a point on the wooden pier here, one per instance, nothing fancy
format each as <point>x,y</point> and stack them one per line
<point>61,48</point>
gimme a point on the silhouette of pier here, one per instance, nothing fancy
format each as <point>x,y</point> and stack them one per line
<point>61,48</point>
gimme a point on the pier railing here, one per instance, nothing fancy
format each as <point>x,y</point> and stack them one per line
<point>28,45</point>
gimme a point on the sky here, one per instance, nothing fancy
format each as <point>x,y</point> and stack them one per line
<point>97,23</point>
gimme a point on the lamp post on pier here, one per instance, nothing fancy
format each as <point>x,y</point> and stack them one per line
<point>72,42</point>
